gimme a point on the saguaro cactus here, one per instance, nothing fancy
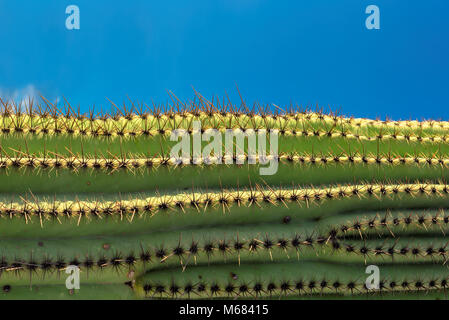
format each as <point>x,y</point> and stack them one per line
<point>102,192</point>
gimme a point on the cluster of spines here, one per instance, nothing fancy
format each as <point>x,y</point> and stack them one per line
<point>223,199</point>
<point>124,132</point>
<point>218,114</point>
<point>287,287</point>
<point>22,160</point>
<point>51,121</point>
<point>420,220</point>
<point>226,248</point>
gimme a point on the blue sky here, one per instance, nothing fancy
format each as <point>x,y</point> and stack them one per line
<point>306,52</point>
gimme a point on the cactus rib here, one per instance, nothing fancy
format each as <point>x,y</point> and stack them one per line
<point>222,199</point>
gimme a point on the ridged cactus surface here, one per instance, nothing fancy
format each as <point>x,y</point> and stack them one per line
<point>102,192</point>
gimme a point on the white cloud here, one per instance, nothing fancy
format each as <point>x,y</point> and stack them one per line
<point>22,96</point>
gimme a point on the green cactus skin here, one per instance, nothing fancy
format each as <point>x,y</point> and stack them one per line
<point>48,291</point>
<point>102,192</point>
